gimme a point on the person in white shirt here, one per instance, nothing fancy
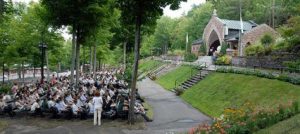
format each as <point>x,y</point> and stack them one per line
<point>97,101</point>
<point>91,107</point>
<point>102,92</point>
<point>60,105</point>
<point>75,108</point>
<point>36,108</point>
<point>35,105</point>
<point>2,103</point>
<point>51,103</point>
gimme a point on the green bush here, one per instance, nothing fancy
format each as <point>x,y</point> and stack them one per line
<point>179,90</point>
<point>190,57</point>
<point>255,50</point>
<point>202,49</point>
<point>224,47</point>
<point>224,60</point>
<point>292,66</point>
<point>267,40</point>
<point>282,77</point>
<point>5,88</point>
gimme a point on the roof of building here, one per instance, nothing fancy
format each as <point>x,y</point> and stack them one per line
<point>197,42</point>
<point>232,37</point>
<point>236,24</point>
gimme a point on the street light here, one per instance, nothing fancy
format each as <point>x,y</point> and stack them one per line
<point>43,48</point>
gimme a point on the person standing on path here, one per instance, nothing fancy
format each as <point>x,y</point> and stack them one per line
<point>97,101</point>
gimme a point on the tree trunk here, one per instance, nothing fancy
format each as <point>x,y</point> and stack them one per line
<point>3,69</point>
<point>19,72</point>
<point>95,62</point>
<point>83,61</point>
<point>58,69</point>
<point>8,73</point>
<point>73,55</point>
<point>99,64</point>
<point>91,61</point>
<point>23,73</point>
<point>124,55</point>
<point>47,64</point>
<point>135,67</point>
<point>33,71</point>
<point>77,59</point>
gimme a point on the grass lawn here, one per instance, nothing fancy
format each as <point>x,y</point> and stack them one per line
<point>145,66</point>
<point>149,113</point>
<point>223,90</point>
<point>289,126</point>
<point>181,74</point>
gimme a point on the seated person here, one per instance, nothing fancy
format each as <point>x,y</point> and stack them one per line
<point>75,108</point>
<point>91,108</point>
<point>60,105</point>
<point>2,104</point>
<point>51,103</point>
<point>35,108</point>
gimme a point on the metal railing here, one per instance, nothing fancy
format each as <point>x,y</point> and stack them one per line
<point>192,70</point>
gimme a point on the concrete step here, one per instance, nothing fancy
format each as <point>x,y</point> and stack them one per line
<point>187,84</point>
<point>194,81</point>
<point>185,87</point>
<point>191,83</point>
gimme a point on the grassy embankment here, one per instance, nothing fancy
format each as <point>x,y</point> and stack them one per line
<point>180,74</point>
<point>219,91</point>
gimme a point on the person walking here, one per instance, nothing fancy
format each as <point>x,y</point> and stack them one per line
<point>97,101</point>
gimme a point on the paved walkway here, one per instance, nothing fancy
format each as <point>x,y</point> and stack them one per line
<point>171,114</point>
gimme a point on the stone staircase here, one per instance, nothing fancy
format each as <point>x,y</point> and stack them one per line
<point>194,79</point>
<point>153,74</point>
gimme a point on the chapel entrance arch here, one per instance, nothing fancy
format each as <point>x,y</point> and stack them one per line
<point>213,42</point>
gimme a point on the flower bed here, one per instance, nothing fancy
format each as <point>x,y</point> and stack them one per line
<point>247,119</point>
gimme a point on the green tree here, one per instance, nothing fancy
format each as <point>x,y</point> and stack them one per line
<point>198,18</point>
<point>83,16</point>
<point>267,40</point>
<point>141,13</point>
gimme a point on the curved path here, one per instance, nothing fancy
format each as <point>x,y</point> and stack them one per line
<point>171,114</point>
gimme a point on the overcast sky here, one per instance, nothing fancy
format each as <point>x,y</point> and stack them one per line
<point>184,8</point>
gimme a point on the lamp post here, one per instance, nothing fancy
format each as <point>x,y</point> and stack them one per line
<point>43,48</point>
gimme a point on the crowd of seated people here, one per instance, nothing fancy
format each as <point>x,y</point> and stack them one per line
<point>58,99</point>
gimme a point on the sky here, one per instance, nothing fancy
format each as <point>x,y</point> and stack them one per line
<point>184,8</point>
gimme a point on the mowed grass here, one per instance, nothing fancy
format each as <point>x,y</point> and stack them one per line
<point>180,74</point>
<point>289,126</point>
<point>222,90</point>
<point>148,65</point>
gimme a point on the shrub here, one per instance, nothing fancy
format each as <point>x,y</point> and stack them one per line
<point>255,50</point>
<point>190,57</point>
<point>202,49</point>
<point>178,52</point>
<point>281,77</point>
<point>224,60</point>
<point>224,47</point>
<point>267,40</point>
<point>5,88</point>
<point>179,90</point>
<point>292,66</point>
